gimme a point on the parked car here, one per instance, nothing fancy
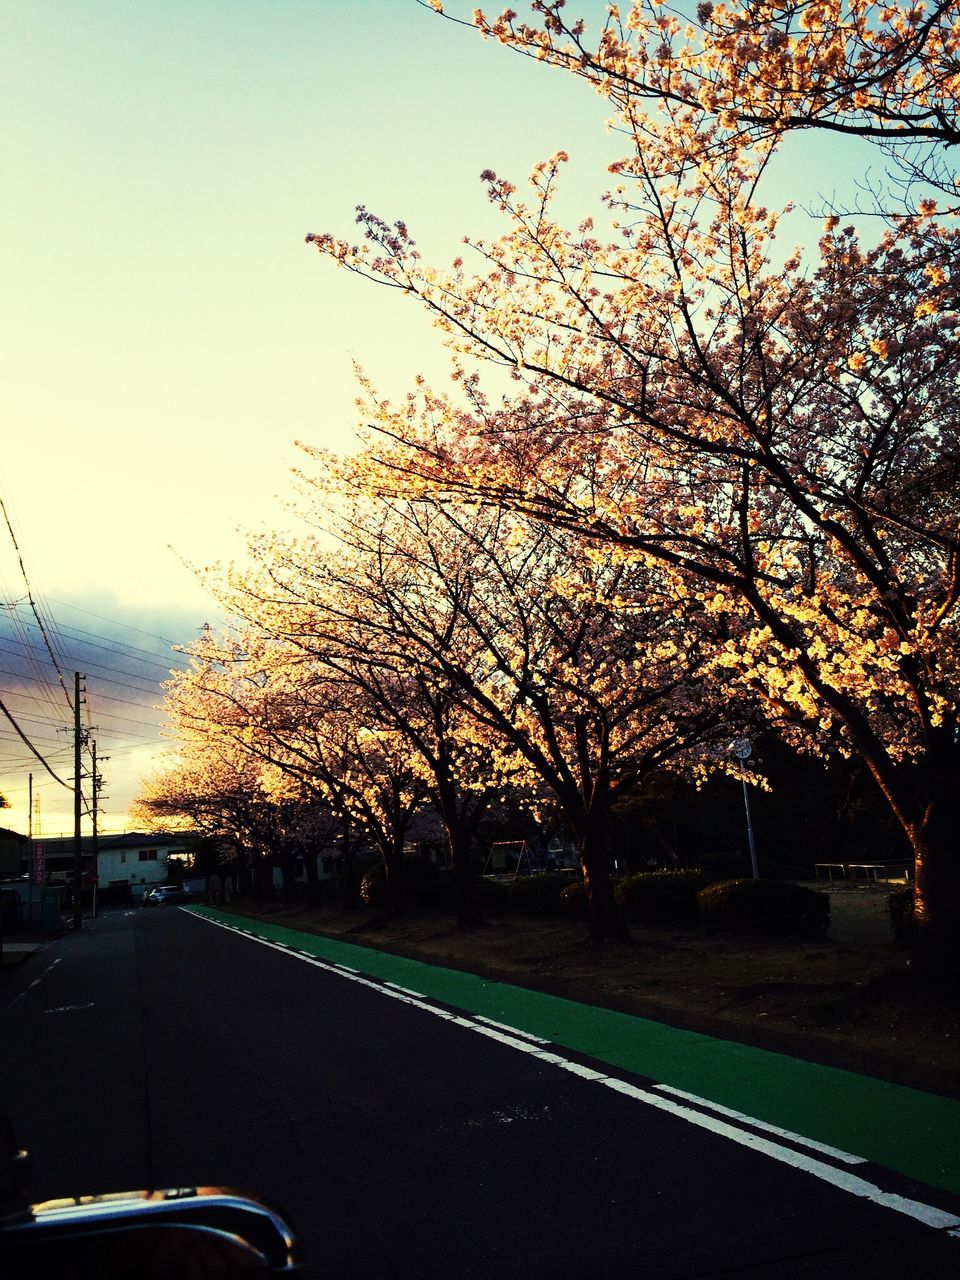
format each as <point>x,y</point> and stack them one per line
<point>165,895</point>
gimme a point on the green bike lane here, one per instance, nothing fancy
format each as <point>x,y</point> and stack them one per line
<point>914,1133</point>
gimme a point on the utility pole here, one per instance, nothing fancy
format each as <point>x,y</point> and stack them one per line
<point>30,849</point>
<point>78,739</point>
<point>97,787</point>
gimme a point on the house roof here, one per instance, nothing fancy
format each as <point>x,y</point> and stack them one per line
<point>142,840</point>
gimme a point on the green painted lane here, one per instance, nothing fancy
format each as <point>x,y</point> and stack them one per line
<point>907,1130</point>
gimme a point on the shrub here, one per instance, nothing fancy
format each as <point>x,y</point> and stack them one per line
<point>442,893</point>
<point>574,904</point>
<point>662,897</point>
<point>373,886</point>
<point>492,895</point>
<point>900,905</point>
<point>772,907</point>
<point>350,881</point>
<point>537,895</point>
<point>416,880</point>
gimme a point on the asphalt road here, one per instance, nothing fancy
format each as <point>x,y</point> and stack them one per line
<point>155,1049</point>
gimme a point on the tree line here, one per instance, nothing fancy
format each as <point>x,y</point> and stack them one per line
<point>704,483</point>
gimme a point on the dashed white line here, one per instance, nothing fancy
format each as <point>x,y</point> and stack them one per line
<point>26,991</point>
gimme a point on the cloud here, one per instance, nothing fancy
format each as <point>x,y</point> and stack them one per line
<point>124,654</point>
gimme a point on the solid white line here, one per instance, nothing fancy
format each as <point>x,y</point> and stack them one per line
<point>822,1147</point>
<point>924,1213</point>
<point>527,1035</point>
<point>840,1178</point>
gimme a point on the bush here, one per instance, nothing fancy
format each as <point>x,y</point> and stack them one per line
<point>771,907</point>
<point>416,875</point>
<point>442,893</point>
<point>349,880</point>
<point>492,895</point>
<point>900,907</point>
<point>537,895</point>
<point>373,886</point>
<point>574,904</point>
<point>662,897</point>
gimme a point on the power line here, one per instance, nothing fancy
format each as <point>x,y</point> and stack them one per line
<point>33,749</point>
<point>116,622</point>
<point>33,604</point>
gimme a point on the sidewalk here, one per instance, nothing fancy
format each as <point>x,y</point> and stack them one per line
<point>907,1130</point>
<point>16,952</point>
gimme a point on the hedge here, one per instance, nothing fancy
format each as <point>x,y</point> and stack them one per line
<point>416,881</point>
<point>537,895</point>
<point>662,897</point>
<point>771,907</point>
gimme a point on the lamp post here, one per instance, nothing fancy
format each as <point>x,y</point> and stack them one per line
<point>742,749</point>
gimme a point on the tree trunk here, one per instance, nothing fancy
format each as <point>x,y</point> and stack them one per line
<point>263,889</point>
<point>464,881</point>
<point>245,880</point>
<point>288,870</point>
<point>349,884</point>
<point>396,895</point>
<point>606,920</point>
<point>314,885</point>
<point>936,950</point>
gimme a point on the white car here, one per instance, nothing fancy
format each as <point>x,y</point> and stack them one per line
<point>165,894</point>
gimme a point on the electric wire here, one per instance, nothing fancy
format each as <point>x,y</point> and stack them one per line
<point>33,603</point>
<point>33,749</point>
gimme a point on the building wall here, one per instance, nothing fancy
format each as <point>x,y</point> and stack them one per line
<point>141,869</point>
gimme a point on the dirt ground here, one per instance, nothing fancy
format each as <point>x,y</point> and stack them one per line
<point>845,1001</point>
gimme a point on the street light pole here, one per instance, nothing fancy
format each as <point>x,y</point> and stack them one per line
<point>753,847</point>
<point>742,749</point>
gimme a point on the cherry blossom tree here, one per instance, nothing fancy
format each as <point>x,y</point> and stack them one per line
<point>494,647</point>
<point>331,609</point>
<point>775,431</point>
<point>740,74</point>
<point>317,735</point>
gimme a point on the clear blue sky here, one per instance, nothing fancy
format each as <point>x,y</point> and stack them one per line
<point>167,333</point>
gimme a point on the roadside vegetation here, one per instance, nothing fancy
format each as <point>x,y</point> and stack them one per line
<point>688,490</point>
<point>836,996</point>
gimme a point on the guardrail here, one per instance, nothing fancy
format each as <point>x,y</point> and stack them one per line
<point>863,872</point>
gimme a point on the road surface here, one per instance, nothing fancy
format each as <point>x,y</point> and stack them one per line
<point>405,1138</point>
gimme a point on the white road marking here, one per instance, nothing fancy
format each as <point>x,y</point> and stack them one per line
<point>927,1214</point>
<point>69,1008</point>
<point>491,1022</point>
<point>834,1152</point>
<point>52,965</point>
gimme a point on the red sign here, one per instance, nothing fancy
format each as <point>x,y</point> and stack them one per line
<point>40,863</point>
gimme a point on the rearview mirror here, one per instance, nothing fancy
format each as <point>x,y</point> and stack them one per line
<point>202,1233</point>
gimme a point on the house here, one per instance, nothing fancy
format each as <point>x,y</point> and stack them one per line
<point>13,848</point>
<point>126,865</point>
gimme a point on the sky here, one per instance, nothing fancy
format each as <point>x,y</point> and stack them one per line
<point>169,336</point>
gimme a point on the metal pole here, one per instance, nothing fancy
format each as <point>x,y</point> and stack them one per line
<point>93,857</point>
<point>77,804</point>
<point>30,849</point>
<point>753,847</point>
